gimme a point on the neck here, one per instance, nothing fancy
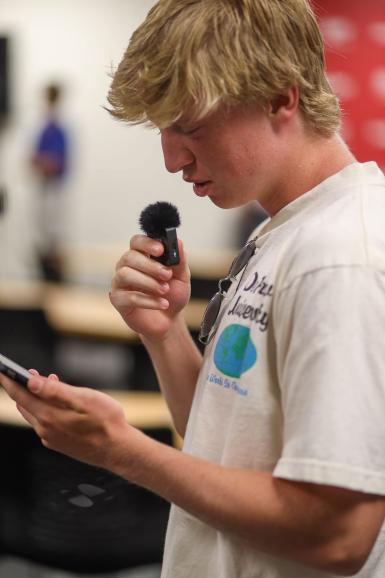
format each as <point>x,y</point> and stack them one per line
<point>309,163</point>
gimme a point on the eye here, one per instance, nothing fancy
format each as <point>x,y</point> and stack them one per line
<point>190,130</point>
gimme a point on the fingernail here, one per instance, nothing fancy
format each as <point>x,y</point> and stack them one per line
<point>164,273</point>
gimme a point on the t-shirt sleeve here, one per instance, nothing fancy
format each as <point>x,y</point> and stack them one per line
<point>330,335</point>
<point>53,143</point>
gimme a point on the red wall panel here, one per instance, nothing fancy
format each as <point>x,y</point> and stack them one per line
<point>354,32</point>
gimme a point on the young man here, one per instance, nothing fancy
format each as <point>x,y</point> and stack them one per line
<point>283,468</point>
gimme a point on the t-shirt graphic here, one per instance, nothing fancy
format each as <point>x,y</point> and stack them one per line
<point>235,352</point>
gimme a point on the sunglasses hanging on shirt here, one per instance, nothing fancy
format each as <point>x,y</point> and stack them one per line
<point>208,325</point>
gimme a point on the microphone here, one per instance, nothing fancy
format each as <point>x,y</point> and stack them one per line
<point>159,221</point>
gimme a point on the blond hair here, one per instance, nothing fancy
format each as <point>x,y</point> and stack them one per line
<point>196,54</point>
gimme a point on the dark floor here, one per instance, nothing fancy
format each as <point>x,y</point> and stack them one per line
<point>14,568</point>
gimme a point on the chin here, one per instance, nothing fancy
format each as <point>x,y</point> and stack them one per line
<point>224,203</point>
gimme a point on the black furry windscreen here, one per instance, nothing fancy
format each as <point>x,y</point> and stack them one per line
<point>155,218</point>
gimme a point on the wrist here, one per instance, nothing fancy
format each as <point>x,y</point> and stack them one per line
<point>133,457</point>
<point>176,331</point>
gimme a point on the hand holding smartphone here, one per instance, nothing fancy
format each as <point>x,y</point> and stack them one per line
<point>14,371</point>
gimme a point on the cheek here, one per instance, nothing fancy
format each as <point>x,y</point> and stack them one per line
<point>243,163</point>
<point>229,160</point>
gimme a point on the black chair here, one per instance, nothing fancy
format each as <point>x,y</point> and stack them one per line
<point>61,513</point>
<point>26,337</point>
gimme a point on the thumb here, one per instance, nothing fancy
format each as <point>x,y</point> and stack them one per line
<point>53,390</point>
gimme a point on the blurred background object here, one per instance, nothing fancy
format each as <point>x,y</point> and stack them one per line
<point>250,216</point>
<point>4,80</point>
<point>3,200</point>
<point>354,33</point>
<point>49,161</point>
<point>4,103</point>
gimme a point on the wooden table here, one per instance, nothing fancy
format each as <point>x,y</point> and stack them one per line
<point>89,313</point>
<point>81,311</point>
<point>17,294</point>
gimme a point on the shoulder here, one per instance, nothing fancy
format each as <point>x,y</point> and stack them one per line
<point>347,232</point>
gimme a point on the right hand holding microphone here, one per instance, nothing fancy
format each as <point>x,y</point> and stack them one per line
<point>149,295</point>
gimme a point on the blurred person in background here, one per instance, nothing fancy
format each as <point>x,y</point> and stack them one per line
<point>3,200</point>
<point>50,165</point>
<point>282,474</point>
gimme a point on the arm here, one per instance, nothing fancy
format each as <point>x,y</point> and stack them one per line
<point>327,528</point>
<point>177,362</point>
<point>150,297</point>
<point>323,527</point>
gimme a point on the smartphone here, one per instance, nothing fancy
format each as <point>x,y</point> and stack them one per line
<point>14,371</point>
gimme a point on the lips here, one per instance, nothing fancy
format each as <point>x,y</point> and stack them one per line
<point>201,188</point>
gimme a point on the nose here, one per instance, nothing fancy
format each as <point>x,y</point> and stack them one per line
<point>176,154</point>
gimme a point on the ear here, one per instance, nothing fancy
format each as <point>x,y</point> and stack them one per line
<point>284,106</point>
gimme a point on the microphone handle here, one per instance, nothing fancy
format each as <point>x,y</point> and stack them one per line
<point>170,243</point>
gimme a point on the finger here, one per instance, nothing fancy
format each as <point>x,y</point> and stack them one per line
<point>147,245</point>
<point>21,395</point>
<point>27,416</point>
<point>27,399</point>
<point>33,422</point>
<point>56,392</point>
<point>141,245</point>
<point>128,278</point>
<point>33,371</point>
<point>11,387</point>
<point>53,376</point>
<point>140,262</point>
<point>127,300</point>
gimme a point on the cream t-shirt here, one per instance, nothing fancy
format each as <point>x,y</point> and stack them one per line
<point>293,382</point>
